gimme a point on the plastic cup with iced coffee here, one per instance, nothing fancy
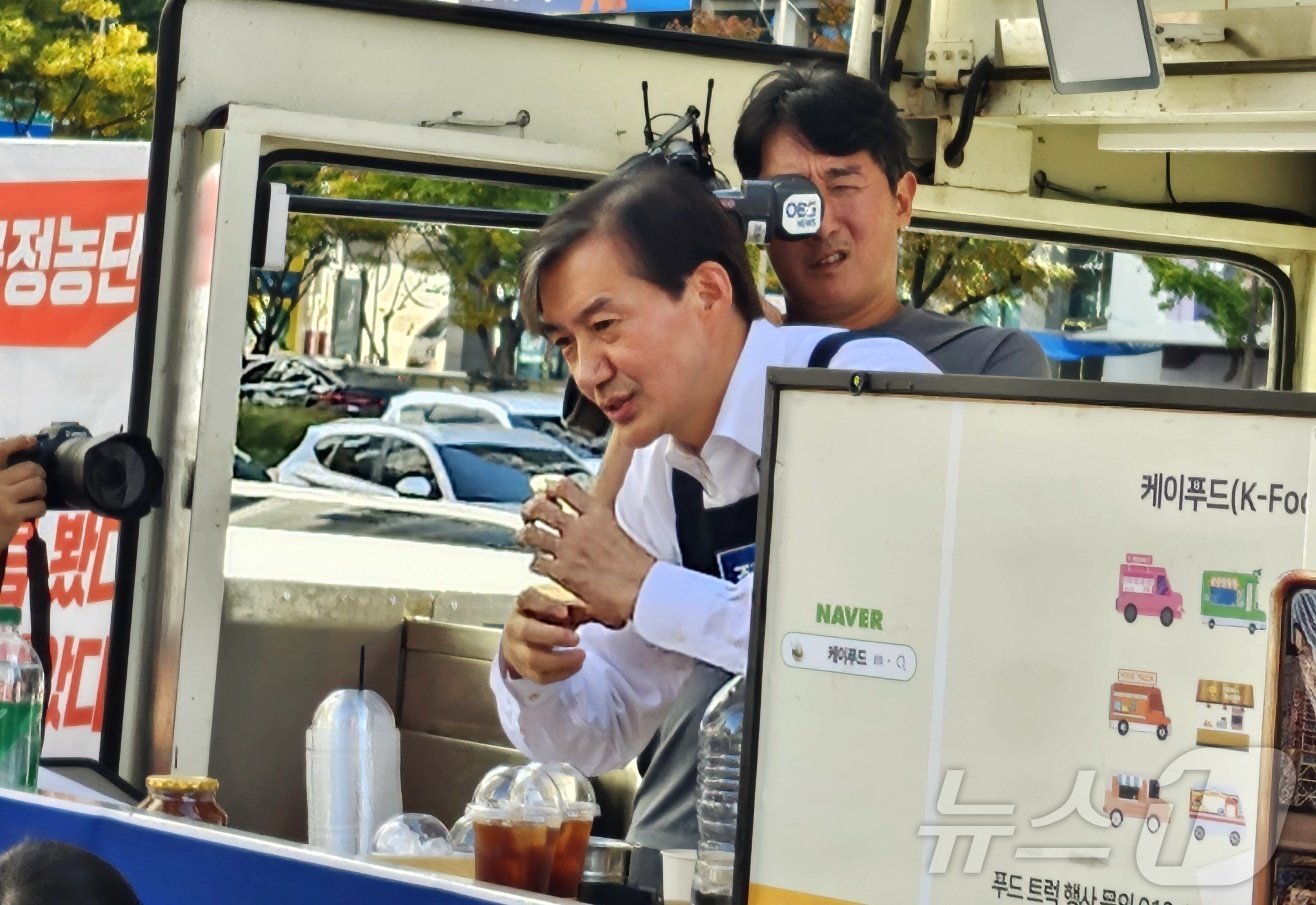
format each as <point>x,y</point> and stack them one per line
<point>517,821</point>
<point>579,809</point>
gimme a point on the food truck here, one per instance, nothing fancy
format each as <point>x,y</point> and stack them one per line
<point>1145,591</point>
<point>218,673</point>
<point>1133,796</point>
<point>1231,598</point>
<point>1136,703</point>
<point>1216,811</point>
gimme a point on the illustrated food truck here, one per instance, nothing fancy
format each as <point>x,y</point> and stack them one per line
<point>1145,591</point>
<point>1224,707</point>
<point>1230,598</point>
<point>1133,796</point>
<point>1136,703</point>
<point>1216,811</point>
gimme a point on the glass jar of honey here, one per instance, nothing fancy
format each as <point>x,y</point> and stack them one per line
<point>189,797</point>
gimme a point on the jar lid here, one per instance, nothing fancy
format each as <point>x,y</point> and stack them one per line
<point>182,784</point>
<point>10,615</point>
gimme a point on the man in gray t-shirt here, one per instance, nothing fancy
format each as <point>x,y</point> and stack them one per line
<point>843,133</point>
<point>961,348</point>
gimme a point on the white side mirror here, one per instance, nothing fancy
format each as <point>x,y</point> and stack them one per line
<point>415,486</point>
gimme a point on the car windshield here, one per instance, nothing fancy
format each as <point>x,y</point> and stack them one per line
<point>493,473</point>
<point>445,413</point>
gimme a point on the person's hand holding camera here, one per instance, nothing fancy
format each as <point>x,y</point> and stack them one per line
<point>22,488</point>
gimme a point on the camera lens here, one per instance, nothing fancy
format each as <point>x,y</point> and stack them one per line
<point>115,475</point>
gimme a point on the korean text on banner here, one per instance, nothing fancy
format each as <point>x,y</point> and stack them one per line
<point>71,219</point>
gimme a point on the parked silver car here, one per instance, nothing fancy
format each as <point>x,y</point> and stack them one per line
<point>479,464</point>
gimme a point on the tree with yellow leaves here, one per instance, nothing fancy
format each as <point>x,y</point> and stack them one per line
<point>75,62</point>
<point>951,273</point>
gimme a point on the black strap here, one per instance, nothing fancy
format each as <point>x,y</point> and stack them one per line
<point>829,345</point>
<point>38,599</point>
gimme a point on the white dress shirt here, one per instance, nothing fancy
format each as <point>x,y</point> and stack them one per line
<point>602,717</point>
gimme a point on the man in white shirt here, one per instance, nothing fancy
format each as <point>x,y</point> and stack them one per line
<point>644,285</point>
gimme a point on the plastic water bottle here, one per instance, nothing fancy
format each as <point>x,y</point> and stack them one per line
<point>718,794</point>
<point>22,690</point>
<point>353,771</point>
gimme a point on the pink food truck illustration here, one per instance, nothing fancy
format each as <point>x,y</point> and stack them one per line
<point>1145,591</point>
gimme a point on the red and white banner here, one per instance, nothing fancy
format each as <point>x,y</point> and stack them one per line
<point>70,259</point>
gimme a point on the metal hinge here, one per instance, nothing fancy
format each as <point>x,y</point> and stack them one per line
<point>945,62</point>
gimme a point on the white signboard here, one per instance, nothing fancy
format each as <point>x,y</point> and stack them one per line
<point>70,257</point>
<point>1018,651</point>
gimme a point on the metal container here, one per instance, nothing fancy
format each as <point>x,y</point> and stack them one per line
<point>607,860</point>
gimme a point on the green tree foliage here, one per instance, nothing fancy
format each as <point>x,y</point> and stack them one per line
<point>75,61</point>
<point>1238,302</point>
<point>480,264</point>
<point>951,274</point>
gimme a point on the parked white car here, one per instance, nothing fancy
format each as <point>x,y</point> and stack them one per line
<point>531,408</point>
<point>445,407</point>
<point>543,412</point>
<point>480,464</point>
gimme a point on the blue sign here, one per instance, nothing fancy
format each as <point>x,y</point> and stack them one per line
<point>736,565</point>
<point>585,7</point>
<point>41,127</point>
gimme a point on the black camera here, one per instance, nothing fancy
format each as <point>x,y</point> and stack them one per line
<point>785,207</point>
<point>114,475</point>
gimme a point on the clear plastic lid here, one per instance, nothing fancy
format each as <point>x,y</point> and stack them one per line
<point>463,834</point>
<point>412,834</point>
<point>578,801</point>
<point>536,796</point>
<point>517,795</point>
<point>495,789</point>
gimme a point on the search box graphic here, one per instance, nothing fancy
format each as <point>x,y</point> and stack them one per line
<point>848,656</point>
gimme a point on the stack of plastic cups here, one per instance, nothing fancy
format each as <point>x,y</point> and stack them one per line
<point>517,816</point>
<point>578,812</point>
<point>353,771</point>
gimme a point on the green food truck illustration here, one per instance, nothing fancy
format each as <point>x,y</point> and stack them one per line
<point>1230,598</point>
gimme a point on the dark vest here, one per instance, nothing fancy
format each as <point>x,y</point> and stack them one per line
<point>717,542</point>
